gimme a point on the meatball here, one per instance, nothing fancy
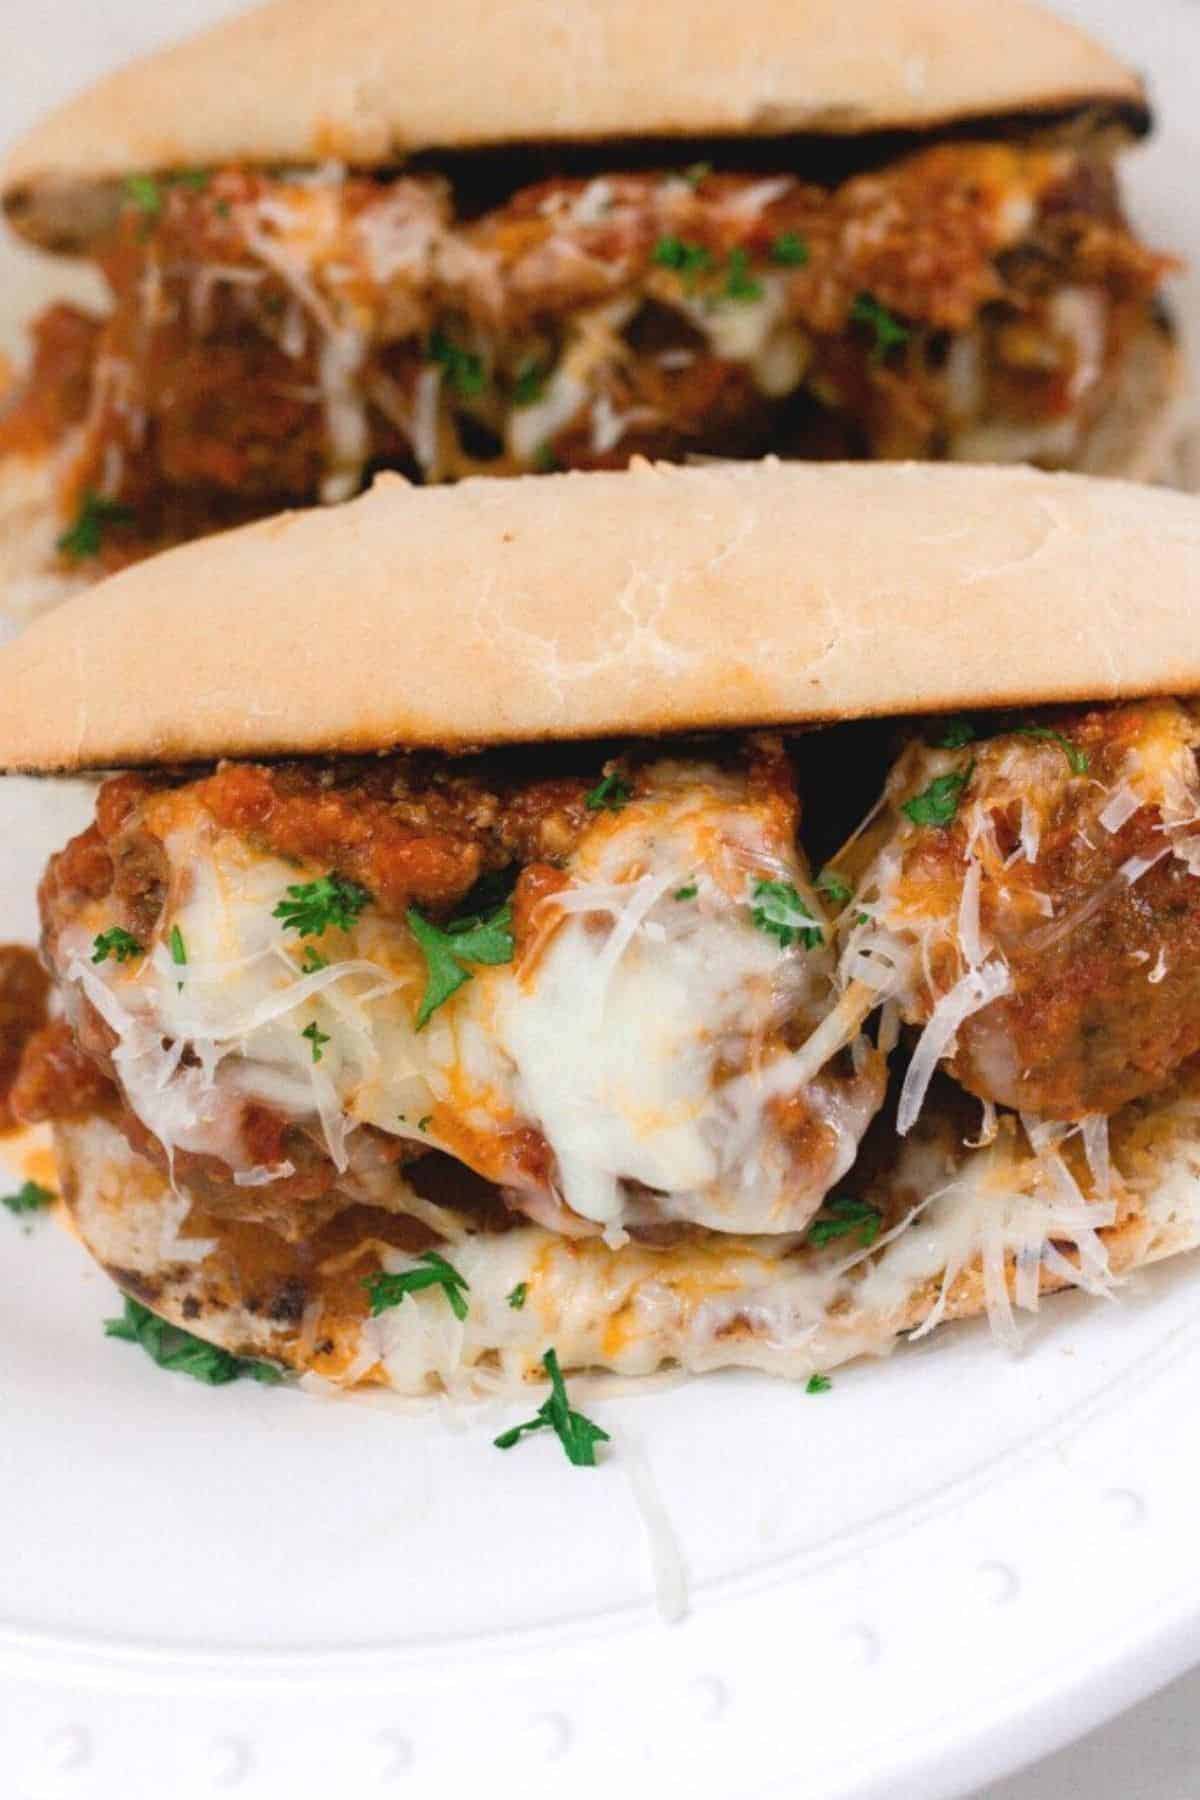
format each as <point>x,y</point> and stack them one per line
<point>1036,897</point>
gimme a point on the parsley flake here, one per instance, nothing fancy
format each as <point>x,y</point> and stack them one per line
<point>118,943</point>
<point>611,794</point>
<point>697,172</point>
<point>938,803</point>
<point>890,334</point>
<point>311,907</point>
<point>423,1123</point>
<point>841,1217</point>
<point>780,911</point>
<point>471,940</point>
<point>144,193</point>
<point>688,260</point>
<point>687,893</point>
<point>317,1038</point>
<point>818,1384</point>
<point>546,459</point>
<point>312,961</point>
<point>516,1297</point>
<point>835,887</point>
<point>577,1434</point>
<point>1077,758</point>
<point>464,369</point>
<point>958,731</point>
<point>84,535</point>
<point>31,1197</point>
<point>739,283</point>
<point>173,1348</point>
<point>387,1290</point>
<point>789,251</point>
<point>178,947</point>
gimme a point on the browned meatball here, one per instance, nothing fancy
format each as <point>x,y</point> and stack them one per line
<point>1056,867</point>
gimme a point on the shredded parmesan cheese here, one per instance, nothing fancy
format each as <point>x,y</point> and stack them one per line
<point>970,994</point>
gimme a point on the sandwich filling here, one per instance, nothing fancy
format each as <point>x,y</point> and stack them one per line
<point>275,338</point>
<point>589,991</point>
<point>601,1030</point>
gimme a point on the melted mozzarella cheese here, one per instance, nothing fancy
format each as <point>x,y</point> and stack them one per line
<point>616,1038</point>
<point>642,1039</point>
<point>988,1227</point>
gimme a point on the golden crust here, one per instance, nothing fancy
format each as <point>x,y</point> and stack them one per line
<point>364,82</point>
<point>656,599</point>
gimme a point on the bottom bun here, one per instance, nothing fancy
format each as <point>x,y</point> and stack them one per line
<point>958,1233</point>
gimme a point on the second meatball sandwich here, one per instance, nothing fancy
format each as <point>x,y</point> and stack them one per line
<point>341,237</point>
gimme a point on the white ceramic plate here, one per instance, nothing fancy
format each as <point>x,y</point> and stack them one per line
<point>952,1562</point>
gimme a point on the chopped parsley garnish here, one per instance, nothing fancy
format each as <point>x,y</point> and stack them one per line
<point>84,535</point>
<point>464,370</point>
<point>1077,758</point>
<point>530,384</point>
<point>116,942</point>
<point>889,332</point>
<point>311,907</point>
<point>779,911</point>
<point>423,1122</point>
<point>818,1384</point>
<point>789,251</point>
<point>577,1435</point>
<point>697,172</point>
<point>516,1296</point>
<point>145,193</point>
<point>610,795</point>
<point>31,1197</point>
<point>546,459</point>
<point>840,1217</point>
<point>317,1038</point>
<point>312,960</point>
<point>173,1348</point>
<point>471,940</point>
<point>938,803</point>
<point>739,283</point>
<point>687,893</point>
<point>688,260</point>
<point>178,947</point>
<point>389,1290</point>
<point>834,887</point>
<point>958,731</point>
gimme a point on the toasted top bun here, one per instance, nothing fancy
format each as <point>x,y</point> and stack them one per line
<point>655,599</point>
<point>370,81</point>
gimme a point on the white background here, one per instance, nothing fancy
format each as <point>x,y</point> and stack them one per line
<point>1153,1752</point>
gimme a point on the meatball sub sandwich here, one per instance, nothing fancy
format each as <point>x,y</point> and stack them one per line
<point>343,236</point>
<point>698,917</point>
